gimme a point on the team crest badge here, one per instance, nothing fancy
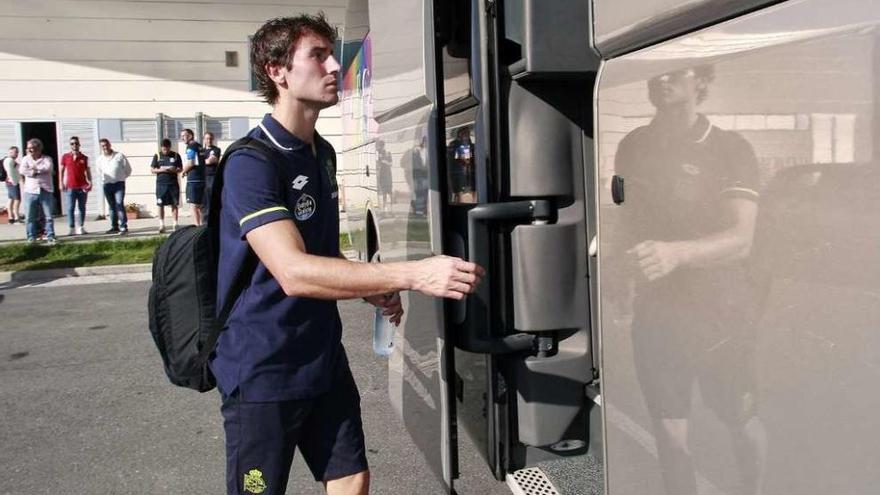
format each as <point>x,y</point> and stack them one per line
<point>254,482</point>
<point>305,207</point>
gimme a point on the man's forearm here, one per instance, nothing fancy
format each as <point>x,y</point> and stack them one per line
<point>322,277</point>
<point>723,247</point>
<point>281,249</point>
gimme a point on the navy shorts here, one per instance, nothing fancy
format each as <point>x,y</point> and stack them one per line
<point>261,438</point>
<point>195,192</point>
<point>167,195</point>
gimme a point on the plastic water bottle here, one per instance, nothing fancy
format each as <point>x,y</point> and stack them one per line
<point>383,334</point>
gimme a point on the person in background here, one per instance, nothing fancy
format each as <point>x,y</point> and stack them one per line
<point>166,165</point>
<point>194,171</point>
<point>114,169</point>
<point>76,180</point>
<point>38,188</point>
<point>13,185</point>
<point>211,154</point>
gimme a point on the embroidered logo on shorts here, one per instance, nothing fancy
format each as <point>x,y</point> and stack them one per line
<point>305,207</point>
<point>300,182</point>
<point>254,482</point>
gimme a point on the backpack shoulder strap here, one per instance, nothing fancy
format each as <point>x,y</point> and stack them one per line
<point>242,277</point>
<point>262,148</point>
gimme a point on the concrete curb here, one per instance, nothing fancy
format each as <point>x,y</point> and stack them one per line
<point>83,271</point>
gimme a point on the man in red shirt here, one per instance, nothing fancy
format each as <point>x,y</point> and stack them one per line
<point>76,181</point>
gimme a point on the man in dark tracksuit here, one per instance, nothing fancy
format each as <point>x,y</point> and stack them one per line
<point>280,365</point>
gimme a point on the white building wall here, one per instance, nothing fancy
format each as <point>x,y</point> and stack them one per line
<point>81,60</point>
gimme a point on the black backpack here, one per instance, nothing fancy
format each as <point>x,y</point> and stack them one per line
<point>3,176</point>
<point>182,300</point>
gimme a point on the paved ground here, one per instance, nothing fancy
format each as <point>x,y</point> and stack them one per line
<point>138,228</point>
<point>87,409</point>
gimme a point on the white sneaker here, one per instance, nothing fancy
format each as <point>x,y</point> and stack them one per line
<point>71,232</point>
<point>81,231</point>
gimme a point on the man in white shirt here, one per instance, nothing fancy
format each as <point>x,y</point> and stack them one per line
<point>13,186</point>
<point>114,169</point>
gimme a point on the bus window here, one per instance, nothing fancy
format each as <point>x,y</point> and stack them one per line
<point>460,165</point>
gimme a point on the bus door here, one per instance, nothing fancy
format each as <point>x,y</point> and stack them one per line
<point>517,89</point>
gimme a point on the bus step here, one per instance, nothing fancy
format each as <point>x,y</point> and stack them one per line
<point>530,481</point>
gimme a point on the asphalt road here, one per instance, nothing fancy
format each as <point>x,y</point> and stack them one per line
<point>86,408</point>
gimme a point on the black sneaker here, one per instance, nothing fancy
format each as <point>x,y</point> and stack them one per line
<point>123,231</point>
<point>112,231</point>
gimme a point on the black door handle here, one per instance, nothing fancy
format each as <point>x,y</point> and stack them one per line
<point>617,192</point>
<point>475,337</point>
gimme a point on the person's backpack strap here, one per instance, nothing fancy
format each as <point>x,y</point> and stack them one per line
<point>242,278</point>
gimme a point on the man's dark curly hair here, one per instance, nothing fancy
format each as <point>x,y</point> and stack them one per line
<point>274,42</point>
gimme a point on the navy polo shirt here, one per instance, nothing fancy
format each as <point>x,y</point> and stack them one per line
<point>194,153</point>
<point>277,347</point>
<point>172,159</point>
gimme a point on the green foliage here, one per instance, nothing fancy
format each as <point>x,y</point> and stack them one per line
<point>20,256</point>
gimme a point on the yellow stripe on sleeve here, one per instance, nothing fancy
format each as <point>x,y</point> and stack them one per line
<point>261,212</point>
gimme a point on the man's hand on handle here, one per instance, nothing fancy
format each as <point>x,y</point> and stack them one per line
<point>445,276</point>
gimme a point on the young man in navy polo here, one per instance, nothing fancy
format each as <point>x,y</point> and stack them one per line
<point>280,365</point>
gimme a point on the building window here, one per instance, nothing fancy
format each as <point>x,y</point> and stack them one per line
<point>139,130</point>
<point>231,59</point>
<point>172,127</point>
<point>220,128</point>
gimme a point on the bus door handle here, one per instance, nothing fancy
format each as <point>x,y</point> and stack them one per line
<point>476,337</point>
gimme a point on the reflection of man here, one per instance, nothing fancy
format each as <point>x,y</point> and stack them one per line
<point>383,173</point>
<point>417,176</point>
<point>691,201</point>
<point>460,157</point>
<point>166,165</point>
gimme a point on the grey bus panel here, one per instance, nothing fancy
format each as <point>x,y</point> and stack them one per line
<point>625,25</point>
<point>552,35</point>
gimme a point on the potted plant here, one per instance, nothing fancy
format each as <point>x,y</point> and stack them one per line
<point>132,210</point>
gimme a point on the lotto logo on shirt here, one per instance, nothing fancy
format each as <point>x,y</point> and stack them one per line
<point>305,207</point>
